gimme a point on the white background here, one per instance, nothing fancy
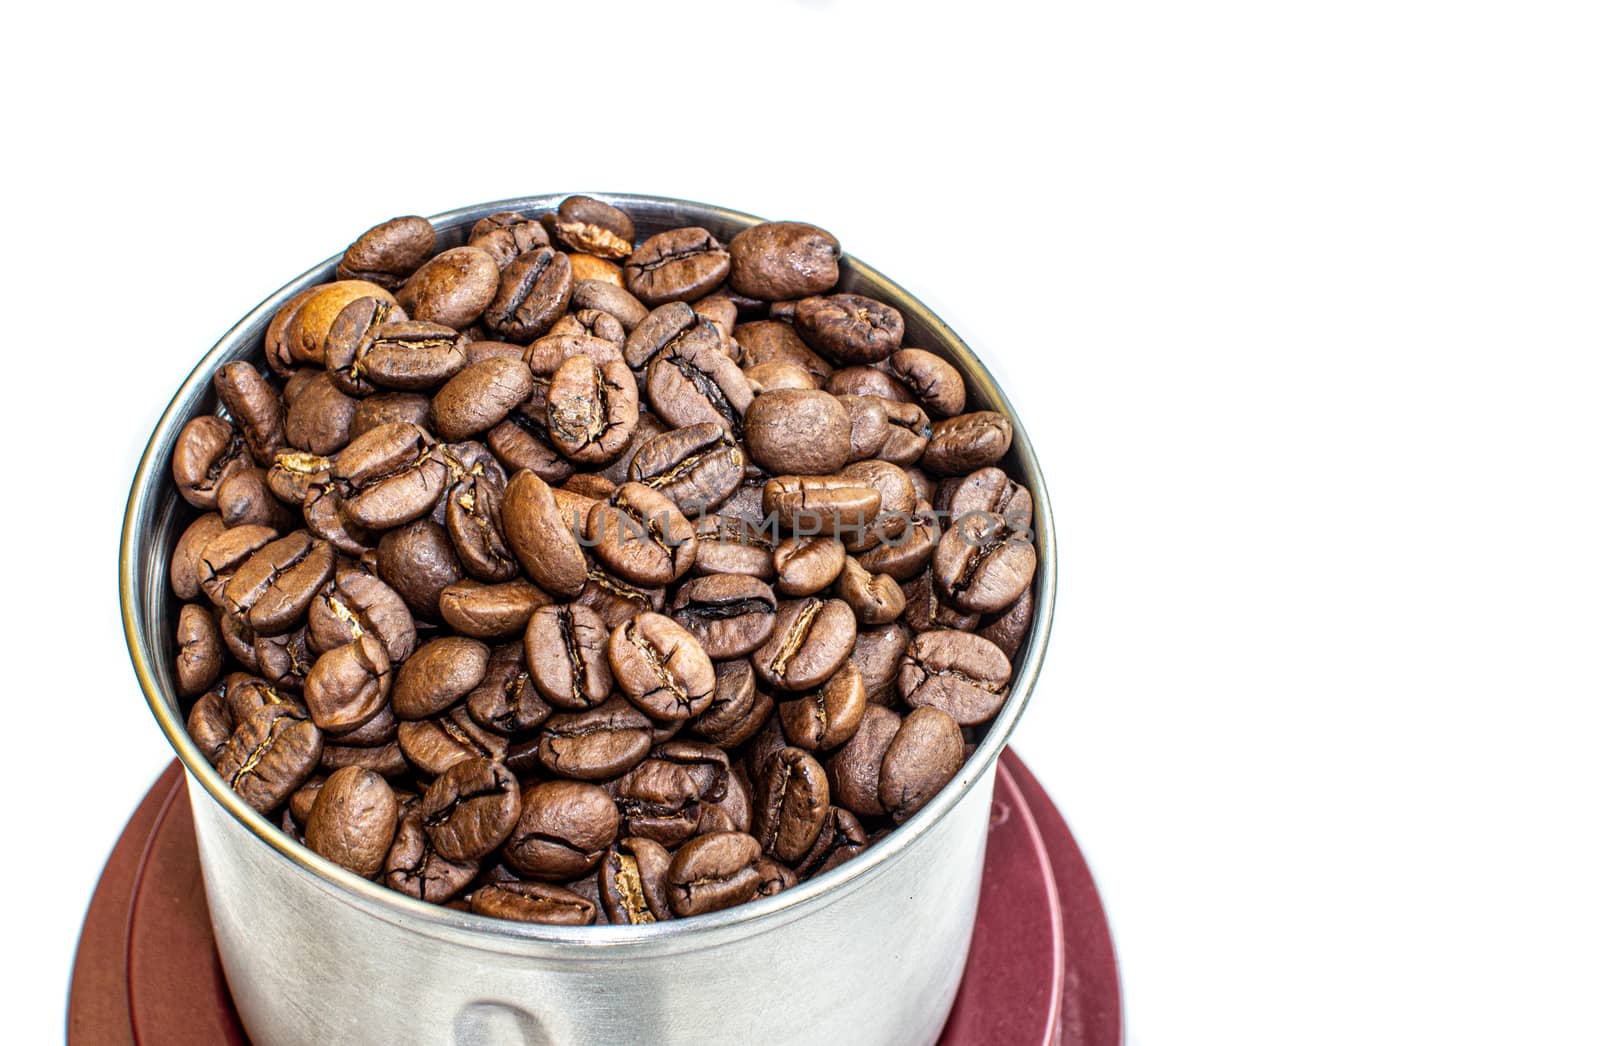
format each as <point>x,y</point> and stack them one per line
<point>1298,301</point>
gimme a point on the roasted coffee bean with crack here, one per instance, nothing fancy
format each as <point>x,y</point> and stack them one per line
<point>271,589</point>
<point>737,711</point>
<point>828,716</point>
<point>565,647</point>
<point>854,771</point>
<point>1009,628</point>
<point>349,684</point>
<point>876,598</point>
<point>542,537</point>
<point>610,299</point>
<point>411,356</point>
<point>208,450</point>
<point>200,650</point>
<point>791,803</point>
<point>692,380</point>
<point>841,838</point>
<point>594,227</point>
<point>697,466</point>
<point>662,668</point>
<point>256,408</point>
<point>533,903</point>
<point>224,554</point>
<point>928,610</point>
<point>564,830</point>
<point>986,560</point>
<point>935,383</point>
<point>810,639</point>
<point>598,744</point>
<point>810,505</point>
<point>959,673</point>
<point>967,442</point>
<point>730,545</point>
<point>269,755</point>
<point>909,433</point>
<point>640,534</point>
<point>768,341</point>
<point>480,396</point>
<point>435,745</point>
<point>498,611</point>
<point>413,867</point>
<point>210,724</point>
<point>389,252</point>
<point>440,673</point>
<point>355,603</point>
<point>507,700</point>
<point>676,265</point>
<point>849,328</point>
<point>658,800</point>
<point>391,475</point>
<point>506,235</point>
<point>617,600</point>
<point>592,409</point>
<point>471,808</point>
<point>712,872</point>
<point>532,294</point>
<point>777,260</point>
<point>633,882</point>
<point>183,572</point>
<point>730,614</point>
<point>877,655</point>
<point>472,518</point>
<point>294,474</point>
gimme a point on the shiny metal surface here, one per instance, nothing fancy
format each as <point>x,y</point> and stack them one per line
<point>870,953</point>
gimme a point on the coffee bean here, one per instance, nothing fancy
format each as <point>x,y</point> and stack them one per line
<point>452,288</point>
<point>307,331</point>
<point>967,442</point>
<point>658,800</point>
<point>800,431</point>
<point>926,753</point>
<point>767,341</point>
<point>829,716</point>
<point>506,235</point>
<point>640,534</point>
<point>959,673</point>
<point>491,611</point>
<point>319,419</point>
<point>807,565</point>
<point>586,224</point>
<point>387,253</point>
<point>210,724</point>
<point>601,743</point>
<point>909,433</point>
<point>613,300</point>
<point>927,610</point>
<point>208,451</point>
<point>184,571</point>
<point>244,498</point>
<point>841,838</point>
<point>275,341</point>
<point>592,409</point>
<point>419,562</point>
<point>413,867</point>
<point>849,328</point>
<point>691,380</point>
<point>936,384</point>
<point>728,545</point>
<point>868,382</point>
<point>616,600</point>
<point>471,809</point>
<point>271,590</point>
<point>255,406</point>
<point>869,425</point>
<point>1010,627</point>
<point>379,730</point>
<point>854,771</point>
<point>199,650</point>
<point>348,685</point>
<point>269,755</point>
<point>533,903</point>
<point>633,882</point>
<point>876,599</point>
<point>353,820</point>
<point>776,260</point>
<point>810,505</point>
<point>985,561</point>
<point>389,476</point>
<point>904,555</point>
<point>440,673</point>
<point>791,804</point>
<point>810,641</point>
<point>712,872</point>
<point>676,265</point>
<point>355,603</point>
<point>698,466</point>
<point>480,397</point>
<point>435,745</point>
<point>563,832</point>
<point>877,654</point>
<point>662,668</point>
<point>225,553</point>
<point>542,539</point>
<point>776,877</point>
<point>507,701</point>
<point>565,647</point>
<point>472,517</point>
<point>730,614</point>
<point>737,709</point>
<point>532,294</point>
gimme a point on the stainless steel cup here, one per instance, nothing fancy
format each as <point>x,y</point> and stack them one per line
<point>870,953</point>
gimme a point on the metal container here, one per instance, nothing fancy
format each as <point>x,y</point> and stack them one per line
<point>870,953</point>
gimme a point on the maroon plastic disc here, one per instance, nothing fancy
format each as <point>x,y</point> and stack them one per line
<point>1041,970</point>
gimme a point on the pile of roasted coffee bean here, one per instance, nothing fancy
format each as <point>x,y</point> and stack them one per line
<point>573,579</point>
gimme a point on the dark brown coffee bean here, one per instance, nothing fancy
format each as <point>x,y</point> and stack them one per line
<point>348,685</point>
<point>200,650</point>
<point>927,610</point>
<point>1009,629</point>
<point>271,590</point>
<point>353,820</point>
<point>453,288</point>
<point>386,254</point>
<point>909,431</point>
<point>522,441</point>
<point>184,571</point>
<point>791,804</point>
<point>849,328</point>
<point>210,724</point>
<point>208,451</point>
<point>777,260</point>
<point>532,294</point>
<point>771,377</point>
<point>355,603</point>
<point>542,537</point>
<point>897,502</point>
<point>602,296</point>
<point>692,380</point>
<point>768,742</point>
<point>877,654</point>
<point>673,324</point>
<point>776,877</point>
<point>246,693</point>
<point>276,339</point>
<point>959,673</point>
<point>633,882</point>
<point>304,797</point>
<point>936,384</point>
<point>563,832</point>
<point>967,442</point>
<point>720,310</point>
<point>658,800</point>
<point>868,381</point>
<point>480,397</point>
<point>390,476</point>
<point>810,641</point>
<point>799,431</point>
<point>435,745</point>
<point>855,770</point>
<point>841,838</point>
<point>419,562</point>
<point>661,667</point>
<point>676,265</point>
<point>245,498</point>
<point>473,519</point>
<point>319,419</point>
<point>592,409</point>
<point>491,611</point>
<point>730,614</point>
<point>410,356</point>
<point>533,903</point>
<point>586,224</point>
<point>767,341</point>
<point>507,234</point>
<point>440,673</point>
<point>256,408</point>
<point>596,745</point>
<point>737,709</point>
<point>507,700</point>
<point>470,809</point>
<point>379,730</point>
<point>413,867</point>
<point>293,475</point>
<point>986,560</point>
<point>869,425</point>
<point>712,872</point>
<point>905,554</point>
<point>876,599</point>
<point>583,327</point>
<point>565,649</point>
<point>225,553</point>
<point>307,332</point>
<point>827,717</point>
<point>729,545</point>
<point>284,660</point>
<point>639,533</point>
<point>698,467</point>
<point>811,505</point>
<point>616,600</point>
<point>926,753</point>
<point>385,760</point>
<point>270,755</point>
